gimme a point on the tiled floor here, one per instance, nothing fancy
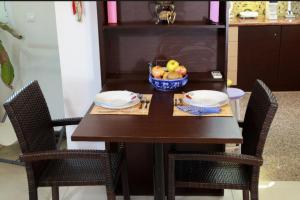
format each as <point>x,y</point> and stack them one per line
<point>13,185</point>
<point>282,149</point>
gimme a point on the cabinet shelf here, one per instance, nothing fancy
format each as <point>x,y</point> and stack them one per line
<point>152,25</point>
<point>193,76</point>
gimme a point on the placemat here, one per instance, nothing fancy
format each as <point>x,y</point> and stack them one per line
<point>134,110</point>
<point>225,110</point>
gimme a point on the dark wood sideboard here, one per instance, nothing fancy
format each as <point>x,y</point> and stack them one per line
<point>270,53</point>
<point>128,46</point>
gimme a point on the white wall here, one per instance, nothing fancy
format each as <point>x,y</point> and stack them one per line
<point>3,13</point>
<point>79,61</point>
<point>36,56</point>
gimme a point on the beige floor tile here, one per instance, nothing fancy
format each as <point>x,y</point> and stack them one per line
<point>99,193</point>
<point>13,184</point>
<point>62,192</point>
<point>85,192</point>
<point>279,190</point>
<point>275,190</point>
<point>44,193</point>
<point>237,195</point>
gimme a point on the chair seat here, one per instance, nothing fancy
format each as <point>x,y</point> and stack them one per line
<point>74,172</point>
<point>214,175</point>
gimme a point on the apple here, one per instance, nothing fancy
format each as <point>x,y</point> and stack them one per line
<point>157,71</point>
<point>181,70</point>
<point>174,76</point>
<point>172,65</point>
<point>165,76</point>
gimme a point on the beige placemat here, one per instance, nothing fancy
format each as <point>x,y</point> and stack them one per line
<point>134,110</point>
<point>225,110</point>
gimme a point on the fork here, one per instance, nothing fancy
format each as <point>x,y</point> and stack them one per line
<point>175,104</point>
<point>140,96</point>
<point>147,102</point>
<point>142,102</point>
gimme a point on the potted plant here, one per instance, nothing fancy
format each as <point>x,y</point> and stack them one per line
<point>7,69</point>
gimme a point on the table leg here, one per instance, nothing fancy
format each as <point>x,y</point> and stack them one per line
<point>159,175</point>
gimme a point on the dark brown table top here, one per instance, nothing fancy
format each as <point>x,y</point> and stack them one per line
<point>159,126</point>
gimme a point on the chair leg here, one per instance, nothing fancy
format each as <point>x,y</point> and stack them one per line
<point>124,178</point>
<point>55,193</point>
<point>171,179</point>
<point>245,194</point>
<point>33,193</point>
<point>254,193</point>
<point>110,195</point>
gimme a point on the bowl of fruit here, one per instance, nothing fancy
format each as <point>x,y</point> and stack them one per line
<point>169,78</point>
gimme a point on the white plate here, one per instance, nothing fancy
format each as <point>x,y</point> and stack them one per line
<point>206,98</point>
<point>117,99</point>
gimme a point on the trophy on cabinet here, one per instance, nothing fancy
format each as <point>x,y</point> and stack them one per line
<point>165,12</point>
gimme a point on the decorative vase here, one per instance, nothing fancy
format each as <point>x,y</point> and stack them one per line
<point>214,11</point>
<point>112,17</point>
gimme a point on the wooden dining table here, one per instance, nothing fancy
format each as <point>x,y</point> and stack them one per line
<point>158,128</point>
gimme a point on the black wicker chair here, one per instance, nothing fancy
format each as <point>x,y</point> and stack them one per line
<point>224,170</point>
<point>48,166</point>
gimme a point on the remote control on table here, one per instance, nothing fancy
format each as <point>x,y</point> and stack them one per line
<point>216,74</point>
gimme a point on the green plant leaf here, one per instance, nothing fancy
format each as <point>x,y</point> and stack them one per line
<point>7,70</point>
<point>7,73</point>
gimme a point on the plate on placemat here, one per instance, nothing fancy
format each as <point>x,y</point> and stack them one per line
<point>206,98</point>
<point>117,99</point>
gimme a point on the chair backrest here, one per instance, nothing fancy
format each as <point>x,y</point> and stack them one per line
<point>260,112</point>
<point>28,112</point>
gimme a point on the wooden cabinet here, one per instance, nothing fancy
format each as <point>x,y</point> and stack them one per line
<point>128,46</point>
<point>269,53</point>
<point>258,55</point>
<point>289,63</point>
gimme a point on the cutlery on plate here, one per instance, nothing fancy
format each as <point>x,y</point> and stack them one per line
<point>147,102</point>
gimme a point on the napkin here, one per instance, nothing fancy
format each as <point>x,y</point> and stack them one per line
<point>195,110</point>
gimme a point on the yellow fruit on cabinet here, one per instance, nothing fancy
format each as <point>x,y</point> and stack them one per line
<point>174,75</point>
<point>181,70</point>
<point>165,76</point>
<point>172,65</point>
<point>157,71</point>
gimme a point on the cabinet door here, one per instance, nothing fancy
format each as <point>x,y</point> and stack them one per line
<point>289,67</point>
<point>258,55</point>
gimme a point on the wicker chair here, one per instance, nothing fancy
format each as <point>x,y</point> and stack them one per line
<point>48,166</point>
<point>224,170</point>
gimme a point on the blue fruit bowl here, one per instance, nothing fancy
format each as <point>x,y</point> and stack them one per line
<point>168,85</point>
